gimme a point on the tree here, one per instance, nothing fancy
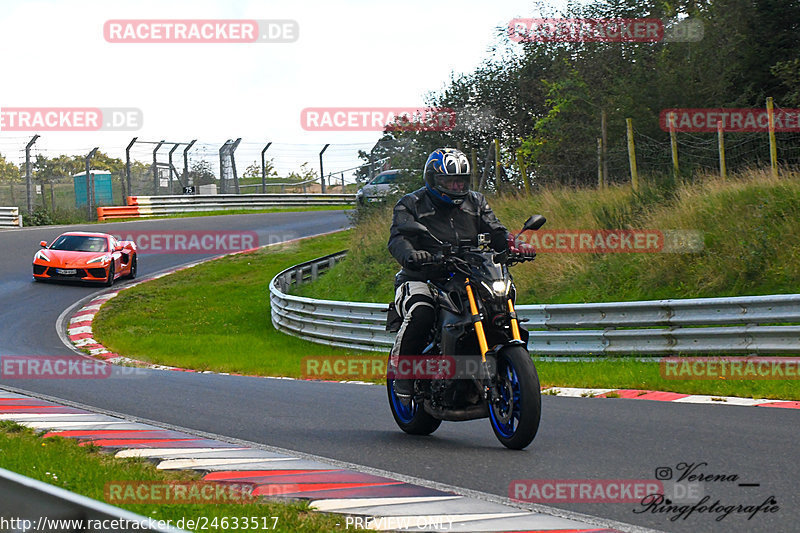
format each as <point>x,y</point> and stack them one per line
<point>201,173</point>
<point>9,173</point>
<point>254,170</point>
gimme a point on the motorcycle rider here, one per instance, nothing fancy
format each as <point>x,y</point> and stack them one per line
<point>453,214</point>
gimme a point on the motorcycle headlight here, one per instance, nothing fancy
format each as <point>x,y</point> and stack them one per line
<point>101,259</point>
<point>41,255</point>
<point>498,288</point>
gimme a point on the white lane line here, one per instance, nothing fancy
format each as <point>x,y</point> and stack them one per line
<point>334,505</point>
<point>573,392</point>
<point>84,342</point>
<point>66,426</point>
<point>163,452</point>
<point>177,464</point>
<point>729,400</point>
<point>389,523</point>
<point>47,416</point>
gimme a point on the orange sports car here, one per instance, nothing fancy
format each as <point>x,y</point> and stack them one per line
<point>80,256</point>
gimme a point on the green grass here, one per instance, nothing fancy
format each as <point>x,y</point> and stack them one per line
<point>749,223</point>
<point>86,470</point>
<point>628,374</point>
<point>215,316</point>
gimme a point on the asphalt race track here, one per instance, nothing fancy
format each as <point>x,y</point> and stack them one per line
<point>580,438</point>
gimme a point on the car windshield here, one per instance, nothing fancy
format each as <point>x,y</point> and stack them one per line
<point>80,243</point>
<point>384,178</point>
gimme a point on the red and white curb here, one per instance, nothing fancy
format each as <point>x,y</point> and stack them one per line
<point>384,503</point>
<point>661,396</point>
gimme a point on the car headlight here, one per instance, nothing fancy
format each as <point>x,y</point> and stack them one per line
<point>41,255</point>
<point>102,258</point>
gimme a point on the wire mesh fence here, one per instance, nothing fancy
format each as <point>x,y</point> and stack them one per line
<point>246,167</point>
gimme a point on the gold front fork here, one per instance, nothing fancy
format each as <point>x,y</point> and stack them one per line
<point>514,322</point>
<point>473,308</point>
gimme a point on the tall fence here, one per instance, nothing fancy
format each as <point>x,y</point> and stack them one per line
<point>736,325</point>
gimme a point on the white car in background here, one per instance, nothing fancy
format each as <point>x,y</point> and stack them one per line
<point>377,188</point>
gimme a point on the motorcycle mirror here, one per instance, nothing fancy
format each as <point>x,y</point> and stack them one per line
<point>412,227</point>
<point>533,223</point>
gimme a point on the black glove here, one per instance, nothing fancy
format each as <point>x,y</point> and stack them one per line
<point>499,242</point>
<point>416,258</point>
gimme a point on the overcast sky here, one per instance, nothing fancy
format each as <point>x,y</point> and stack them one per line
<point>349,53</point>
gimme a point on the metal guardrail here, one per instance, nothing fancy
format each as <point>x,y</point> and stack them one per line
<point>150,206</point>
<point>744,324</point>
<point>43,505</point>
<point>10,217</point>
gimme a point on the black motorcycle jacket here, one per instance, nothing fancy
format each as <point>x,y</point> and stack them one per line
<point>454,224</point>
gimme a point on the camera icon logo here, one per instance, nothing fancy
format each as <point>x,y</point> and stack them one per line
<point>663,473</point>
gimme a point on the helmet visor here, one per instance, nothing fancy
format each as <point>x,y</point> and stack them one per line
<point>453,184</point>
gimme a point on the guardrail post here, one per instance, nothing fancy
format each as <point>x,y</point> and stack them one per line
<point>673,140</point>
<point>264,169</point>
<point>233,148</point>
<point>128,169</point>
<point>171,167</point>
<point>186,164</point>
<point>723,170</point>
<point>321,171</point>
<point>773,148</point>
<point>90,184</point>
<point>632,155</point>
<point>155,167</point>
<point>28,179</point>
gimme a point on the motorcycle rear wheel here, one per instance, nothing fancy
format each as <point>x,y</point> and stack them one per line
<point>515,418</point>
<point>410,418</point>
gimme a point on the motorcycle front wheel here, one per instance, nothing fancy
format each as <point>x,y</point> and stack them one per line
<point>410,418</point>
<point>515,415</point>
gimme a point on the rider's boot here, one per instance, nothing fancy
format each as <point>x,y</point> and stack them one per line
<point>404,390</point>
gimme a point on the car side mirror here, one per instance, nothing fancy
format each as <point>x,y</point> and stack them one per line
<point>118,248</point>
<point>43,244</point>
<point>533,223</point>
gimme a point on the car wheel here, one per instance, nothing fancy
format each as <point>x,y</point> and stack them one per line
<point>134,267</point>
<point>110,280</point>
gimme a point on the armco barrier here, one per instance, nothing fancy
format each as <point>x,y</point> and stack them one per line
<point>150,206</point>
<point>10,217</point>
<point>734,325</point>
